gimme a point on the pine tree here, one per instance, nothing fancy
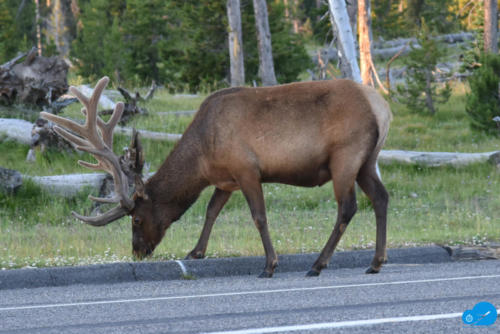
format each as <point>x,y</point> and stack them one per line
<point>93,45</point>
<point>421,91</point>
<point>483,101</point>
<point>16,28</point>
<point>145,34</point>
<point>7,33</point>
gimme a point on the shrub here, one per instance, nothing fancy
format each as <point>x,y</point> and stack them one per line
<point>483,103</point>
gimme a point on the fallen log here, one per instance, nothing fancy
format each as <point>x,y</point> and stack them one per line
<point>10,180</point>
<point>20,130</point>
<point>67,185</point>
<point>433,159</point>
<point>447,38</point>
<point>71,184</point>
<point>387,49</point>
<point>16,129</point>
<point>177,113</point>
<point>149,134</point>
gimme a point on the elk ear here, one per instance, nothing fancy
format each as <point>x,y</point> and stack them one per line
<point>140,189</point>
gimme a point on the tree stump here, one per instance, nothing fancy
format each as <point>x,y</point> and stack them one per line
<point>10,180</point>
<point>44,136</point>
<point>131,104</point>
<point>36,81</point>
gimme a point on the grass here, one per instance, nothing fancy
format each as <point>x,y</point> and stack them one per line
<point>447,131</point>
<point>428,205</point>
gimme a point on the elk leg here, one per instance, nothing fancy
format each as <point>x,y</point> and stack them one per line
<point>343,173</point>
<point>346,209</point>
<point>217,202</point>
<point>252,190</point>
<point>370,183</point>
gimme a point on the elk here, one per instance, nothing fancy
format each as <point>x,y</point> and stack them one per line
<point>303,134</point>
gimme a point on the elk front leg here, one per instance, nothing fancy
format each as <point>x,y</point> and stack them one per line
<point>252,190</point>
<point>217,202</point>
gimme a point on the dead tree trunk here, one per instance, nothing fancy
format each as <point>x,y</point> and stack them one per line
<point>131,104</point>
<point>44,136</point>
<point>365,53</point>
<point>235,43</point>
<point>345,41</point>
<point>352,12</point>
<point>38,28</point>
<point>266,64</point>
<point>491,26</point>
<point>368,70</point>
<point>37,81</point>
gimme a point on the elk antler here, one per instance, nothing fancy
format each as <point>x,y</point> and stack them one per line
<point>96,138</point>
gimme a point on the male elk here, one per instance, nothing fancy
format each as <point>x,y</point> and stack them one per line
<point>302,134</point>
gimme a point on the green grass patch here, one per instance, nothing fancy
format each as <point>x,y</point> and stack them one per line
<point>428,205</point>
<point>447,131</point>
<point>443,205</point>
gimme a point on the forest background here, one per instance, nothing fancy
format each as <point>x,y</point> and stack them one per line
<point>183,44</point>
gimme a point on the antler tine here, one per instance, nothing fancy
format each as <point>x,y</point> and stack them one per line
<point>105,199</point>
<point>70,137</point>
<point>112,166</point>
<point>79,95</point>
<point>116,213</point>
<point>89,165</point>
<point>90,110</point>
<point>96,95</point>
<point>108,127</point>
<point>68,124</point>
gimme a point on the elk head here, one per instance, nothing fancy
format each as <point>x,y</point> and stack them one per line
<point>96,138</point>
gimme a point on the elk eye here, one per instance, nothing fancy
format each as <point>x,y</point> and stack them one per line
<point>137,221</point>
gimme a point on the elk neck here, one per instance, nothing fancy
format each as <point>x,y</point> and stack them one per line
<point>178,182</point>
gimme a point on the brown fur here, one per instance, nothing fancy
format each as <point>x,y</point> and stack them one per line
<point>302,134</point>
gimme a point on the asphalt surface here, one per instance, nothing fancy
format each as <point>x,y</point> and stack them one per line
<point>402,298</point>
<point>174,270</point>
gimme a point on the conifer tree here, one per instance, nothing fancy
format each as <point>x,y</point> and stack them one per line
<point>92,41</point>
<point>421,91</point>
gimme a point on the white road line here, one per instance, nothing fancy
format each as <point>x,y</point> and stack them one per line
<point>241,293</point>
<point>341,324</point>
<point>183,268</point>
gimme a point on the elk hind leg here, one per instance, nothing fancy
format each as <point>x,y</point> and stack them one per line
<point>370,183</point>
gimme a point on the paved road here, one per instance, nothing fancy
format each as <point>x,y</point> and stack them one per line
<point>426,298</point>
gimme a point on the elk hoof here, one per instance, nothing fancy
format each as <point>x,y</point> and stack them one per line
<point>265,274</point>
<point>371,271</point>
<point>313,273</point>
<point>194,256</point>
